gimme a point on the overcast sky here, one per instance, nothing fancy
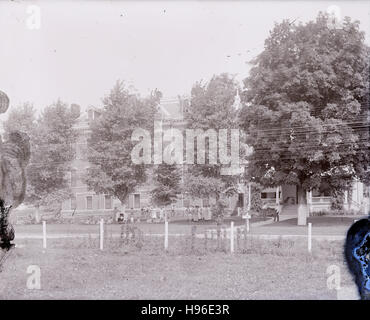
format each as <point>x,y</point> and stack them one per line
<point>83,47</point>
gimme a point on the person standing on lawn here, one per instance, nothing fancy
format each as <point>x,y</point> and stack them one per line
<point>186,213</point>
<point>153,214</point>
<point>172,210</point>
<point>161,214</point>
<point>200,213</point>
<point>190,214</point>
<point>115,214</point>
<point>195,214</point>
<point>278,210</point>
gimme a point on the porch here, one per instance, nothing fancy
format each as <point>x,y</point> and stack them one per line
<point>316,200</point>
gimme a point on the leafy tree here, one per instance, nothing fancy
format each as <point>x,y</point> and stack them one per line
<point>305,107</point>
<point>112,170</point>
<point>198,186</point>
<point>218,210</point>
<point>22,118</point>
<point>52,154</point>
<point>51,137</point>
<point>256,201</point>
<point>211,107</point>
<point>167,180</point>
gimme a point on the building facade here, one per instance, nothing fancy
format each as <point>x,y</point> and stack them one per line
<point>85,203</point>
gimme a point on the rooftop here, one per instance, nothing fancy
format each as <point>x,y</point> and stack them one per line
<point>171,109</point>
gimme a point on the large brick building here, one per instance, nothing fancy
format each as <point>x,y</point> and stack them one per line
<point>85,203</point>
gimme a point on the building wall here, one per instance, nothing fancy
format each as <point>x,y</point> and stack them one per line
<point>85,202</point>
<point>141,197</point>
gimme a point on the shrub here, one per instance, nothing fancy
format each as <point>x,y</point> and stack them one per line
<point>219,210</point>
<point>256,201</point>
<point>337,200</point>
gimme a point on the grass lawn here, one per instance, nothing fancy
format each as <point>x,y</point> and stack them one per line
<point>335,225</point>
<point>178,226</point>
<point>75,269</point>
<point>325,225</point>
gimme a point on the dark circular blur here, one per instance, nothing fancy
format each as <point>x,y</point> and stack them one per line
<point>357,252</point>
<point>4,102</point>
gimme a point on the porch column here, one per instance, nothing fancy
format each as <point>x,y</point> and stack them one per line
<point>277,195</point>
<point>346,199</point>
<point>309,201</point>
<point>302,207</point>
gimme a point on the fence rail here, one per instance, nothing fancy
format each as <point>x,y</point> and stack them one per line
<point>232,239</point>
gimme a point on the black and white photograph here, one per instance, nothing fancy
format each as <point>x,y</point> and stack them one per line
<point>184,150</point>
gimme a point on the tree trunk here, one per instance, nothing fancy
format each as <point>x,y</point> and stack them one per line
<point>302,206</point>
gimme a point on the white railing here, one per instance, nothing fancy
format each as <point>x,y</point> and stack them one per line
<point>320,200</point>
<point>269,200</point>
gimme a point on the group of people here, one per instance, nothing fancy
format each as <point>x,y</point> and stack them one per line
<point>146,213</point>
<point>161,214</point>
<point>197,213</point>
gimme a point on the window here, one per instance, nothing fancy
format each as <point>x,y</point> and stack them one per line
<point>205,202</point>
<point>108,202</point>
<point>136,201</point>
<point>73,178</point>
<point>268,195</point>
<point>320,193</point>
<point>323,190</point>
<point>89,202</point>
<point>241,200</point>
<point>73,202</point>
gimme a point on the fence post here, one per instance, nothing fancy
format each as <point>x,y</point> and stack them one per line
<point>205,240</point>
<point>237,239</point>
<point>166,235</point>
<point>232,237</point>
<point>309,237</point>
<point>44,234</point>
<point>218,237</point>
<point>101,234</point>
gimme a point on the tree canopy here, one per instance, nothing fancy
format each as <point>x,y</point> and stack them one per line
<point>51,137</point>
<point>306,106</point>
<point>111,168</point>
<point>211,107</point>
<point>167,184</point>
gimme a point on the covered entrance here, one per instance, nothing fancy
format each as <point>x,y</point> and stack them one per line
<point>289,194</point>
